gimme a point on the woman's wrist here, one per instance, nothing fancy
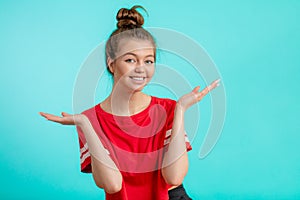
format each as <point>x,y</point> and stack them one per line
<point>80,120</point>
<point>180,108</point>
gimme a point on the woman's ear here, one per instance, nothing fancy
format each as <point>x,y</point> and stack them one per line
<point>110,64</point>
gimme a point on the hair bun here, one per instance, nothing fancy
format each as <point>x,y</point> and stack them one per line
<point>130,18</point>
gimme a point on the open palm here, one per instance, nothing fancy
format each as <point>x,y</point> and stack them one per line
<point>195,96</point>
<point>65,119</point>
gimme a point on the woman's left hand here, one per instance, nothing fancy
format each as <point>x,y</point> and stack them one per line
<point>65,119</point>
<point>195,96</point>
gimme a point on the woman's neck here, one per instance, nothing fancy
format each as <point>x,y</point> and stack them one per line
<point>126,104</point>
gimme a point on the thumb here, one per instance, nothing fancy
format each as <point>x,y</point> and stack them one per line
<point>196,89</point>
<point>65,114</point>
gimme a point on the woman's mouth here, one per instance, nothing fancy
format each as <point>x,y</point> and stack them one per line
<point>137,78</point>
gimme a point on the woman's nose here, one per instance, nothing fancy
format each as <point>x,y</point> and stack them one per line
<point>140,67</point>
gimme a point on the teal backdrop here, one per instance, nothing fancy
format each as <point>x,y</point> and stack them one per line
<point>255,45</point>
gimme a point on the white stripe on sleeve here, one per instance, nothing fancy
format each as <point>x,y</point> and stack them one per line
<point>85,156</point>
<point>168,138</point>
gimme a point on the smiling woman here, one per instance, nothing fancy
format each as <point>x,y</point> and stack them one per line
<point>134,144</point>
<point>134,63</point>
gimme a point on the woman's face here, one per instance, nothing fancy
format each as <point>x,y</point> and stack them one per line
<point>134,65</point>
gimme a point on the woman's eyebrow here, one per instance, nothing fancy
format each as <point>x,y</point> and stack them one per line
<point>150,55</point>
<point>129,53</point>
<point>136,55</point>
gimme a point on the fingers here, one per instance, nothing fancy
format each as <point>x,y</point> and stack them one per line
<point>46,115</point>
<point>55,118</point>
<point>42,114</point>
<point>50,117</point>
<point>66,118</point>
<point>206,90</point>
<point>213,85</point>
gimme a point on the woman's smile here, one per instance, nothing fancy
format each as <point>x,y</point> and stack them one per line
<point>138,79</point>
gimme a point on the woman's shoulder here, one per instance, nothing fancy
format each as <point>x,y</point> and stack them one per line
<point>165,102</point>
<point>90,112</point>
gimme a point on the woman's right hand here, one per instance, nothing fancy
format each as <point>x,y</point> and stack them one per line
<point>65,119</point>
<point>195,96</point>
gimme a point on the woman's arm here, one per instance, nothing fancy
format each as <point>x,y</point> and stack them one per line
<point>105,173</point>
<point>175,163</point>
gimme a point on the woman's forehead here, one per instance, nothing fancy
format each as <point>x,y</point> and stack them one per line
<point>136,46</point>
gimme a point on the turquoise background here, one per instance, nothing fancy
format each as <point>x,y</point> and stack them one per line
<point>255,44</point>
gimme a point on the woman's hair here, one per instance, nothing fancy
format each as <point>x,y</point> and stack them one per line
<point>129,26</point>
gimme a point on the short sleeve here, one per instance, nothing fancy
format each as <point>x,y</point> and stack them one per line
<point>170,108</point>
<point>85,157</point>
<point>168,138</point>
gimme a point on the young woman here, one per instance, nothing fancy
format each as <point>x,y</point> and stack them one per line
<point>133,143</point>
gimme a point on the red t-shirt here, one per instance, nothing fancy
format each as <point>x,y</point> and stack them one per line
<point>136,144</point>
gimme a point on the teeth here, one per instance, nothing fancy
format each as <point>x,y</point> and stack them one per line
<point>138,78</point>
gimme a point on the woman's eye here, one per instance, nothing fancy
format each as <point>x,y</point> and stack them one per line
<point>149,62</point>
<point>129,60</point>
